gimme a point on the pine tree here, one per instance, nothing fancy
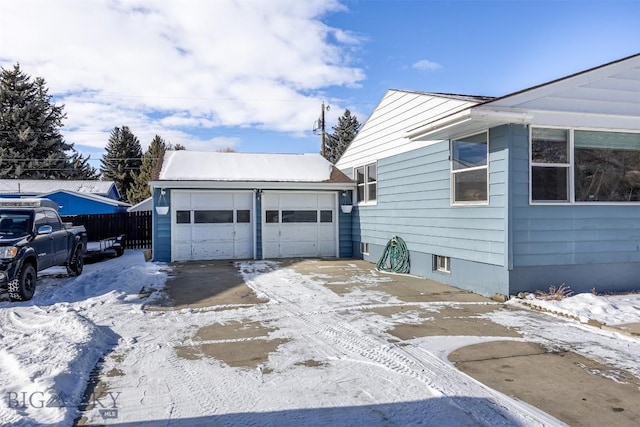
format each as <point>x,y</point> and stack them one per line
<point>31,145</point>
<point>343,133</point>
<point>122,160</point>
<point>148,170</point>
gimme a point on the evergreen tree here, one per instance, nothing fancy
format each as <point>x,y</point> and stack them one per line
<point>122,160</point>
<point>343,133</point>
<point>31,145</point>
<point>148,170</point>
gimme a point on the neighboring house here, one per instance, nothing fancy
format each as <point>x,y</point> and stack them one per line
<point>537,188</point>
<point>37,187</point>
<point>144,206</point>
<point>241,205</point>
<point>74,203</point>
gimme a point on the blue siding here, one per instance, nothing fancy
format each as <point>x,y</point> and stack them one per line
<point>73,205</point>
<point>414,203</point>
<point>344,234</point>
<point>582,246</point>
<point>161,230</point>
<point>258,219</point>
<point>568,234</point>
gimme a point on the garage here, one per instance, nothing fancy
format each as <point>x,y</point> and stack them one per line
<point>231,206</point>
<point>210,225</point>
<point>299,224</point>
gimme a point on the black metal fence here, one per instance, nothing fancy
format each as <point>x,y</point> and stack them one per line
<point>136,226</point>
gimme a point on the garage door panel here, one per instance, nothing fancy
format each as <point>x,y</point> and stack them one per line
<point>300,249</point>
<point>206,251</point>
<point>182,251</point>
<point>181,200</point>
<point>304,230</point>
<point>182,233</point>
<point>327,248</point>
<point>326,201</point>
<point>211,201</point>
<point>212,233</point>
<point>213,230</point>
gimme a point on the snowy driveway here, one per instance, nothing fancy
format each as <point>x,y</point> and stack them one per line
<point>310,350</point>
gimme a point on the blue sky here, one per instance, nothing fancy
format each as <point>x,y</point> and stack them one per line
<point>252,74</point>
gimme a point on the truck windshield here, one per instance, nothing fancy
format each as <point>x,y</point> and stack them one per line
<point>15,223</point>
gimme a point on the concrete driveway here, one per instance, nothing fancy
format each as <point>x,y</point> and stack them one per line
<point>560,382</point>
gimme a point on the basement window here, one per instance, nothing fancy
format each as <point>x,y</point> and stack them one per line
<point>442,263</point>
<point>364,248</point>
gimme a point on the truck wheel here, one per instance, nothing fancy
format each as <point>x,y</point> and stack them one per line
<point>76,263</point>
<point>22,287</point>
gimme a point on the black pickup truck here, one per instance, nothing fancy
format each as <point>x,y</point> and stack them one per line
<point>32,238</point>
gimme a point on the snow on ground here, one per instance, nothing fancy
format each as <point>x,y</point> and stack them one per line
<point>607,309</point>
<point>50,345</point>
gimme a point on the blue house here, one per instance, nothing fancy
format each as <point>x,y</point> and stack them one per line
<point>74,203</point>
<point>37,187</point>
<point>500,195</point>
<point>75,197</point>
<point>210,205</point>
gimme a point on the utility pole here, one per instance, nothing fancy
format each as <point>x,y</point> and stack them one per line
<point>321,128</point>
<point>322,149</point>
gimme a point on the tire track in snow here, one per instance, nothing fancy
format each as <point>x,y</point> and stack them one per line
<point>330,328</point>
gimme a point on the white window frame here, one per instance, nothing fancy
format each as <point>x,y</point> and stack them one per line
<point>442,263</point>
<point>366,184</point>
<point>364,248</point>
<point>452,173</point>
<point>571,179</point>
<point>568,166</point>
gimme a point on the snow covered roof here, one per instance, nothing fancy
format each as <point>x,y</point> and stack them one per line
<point>145,205</point>
<point>41,186</point>
<point>186,165</point>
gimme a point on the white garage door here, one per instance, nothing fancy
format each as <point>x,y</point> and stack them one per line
<point>299,225</point>
<point>211,225</point>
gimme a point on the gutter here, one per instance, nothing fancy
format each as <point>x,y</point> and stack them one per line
<point>471,114</point>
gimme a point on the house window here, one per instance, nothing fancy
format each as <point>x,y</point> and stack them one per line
<point>367,182</point>
<point>469,183</point>
<point>550,165</point>
<point>584,166</point>
<point>442,263</point>
<point>607,166</point>
<point>364,248</point>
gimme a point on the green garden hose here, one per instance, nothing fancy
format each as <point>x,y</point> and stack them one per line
<point>395,257</point>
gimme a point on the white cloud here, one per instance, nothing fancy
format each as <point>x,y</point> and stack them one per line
<point>426,65</point>
<point>161,67</point>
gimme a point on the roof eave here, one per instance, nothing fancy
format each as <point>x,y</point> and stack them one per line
<point>469,121</point>
<point>252,185</point>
